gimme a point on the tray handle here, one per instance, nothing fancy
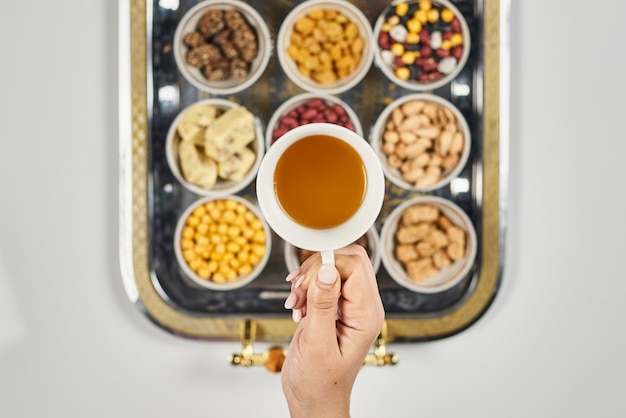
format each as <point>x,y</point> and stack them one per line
<point>274,357</point>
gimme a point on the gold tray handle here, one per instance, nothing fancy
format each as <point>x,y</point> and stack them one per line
<point>274,357</point>
<point>380,357</point>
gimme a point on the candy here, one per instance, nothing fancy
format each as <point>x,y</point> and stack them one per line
<point>447,65</point>
<point>421,41</point>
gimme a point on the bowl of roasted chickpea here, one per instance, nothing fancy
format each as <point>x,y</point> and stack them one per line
<point>325,46</point>
<point>429,244</point>
<point>222,243</point>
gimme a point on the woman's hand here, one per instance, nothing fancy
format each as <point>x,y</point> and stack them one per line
<point>340,314</point>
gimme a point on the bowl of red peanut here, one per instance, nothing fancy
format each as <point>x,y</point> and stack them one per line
<point>222,46</point>
<point>421,45</point>
<point>429,244</point>
<point>325,46</point>
<point>310,108</point>
<point>423,142</point>
<point>222,243</point>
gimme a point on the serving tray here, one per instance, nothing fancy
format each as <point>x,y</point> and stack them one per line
<point>152,92</point>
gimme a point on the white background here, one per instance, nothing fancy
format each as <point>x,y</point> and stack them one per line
<point>71,344</point>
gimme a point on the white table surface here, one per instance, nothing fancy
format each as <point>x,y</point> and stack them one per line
<point>551,345</point>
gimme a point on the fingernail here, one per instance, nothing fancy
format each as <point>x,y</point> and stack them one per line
<point>327,275</point>
<point>292,275</point>
<point>299,281</point>
<point>296,315</point>
<point>290,302</point>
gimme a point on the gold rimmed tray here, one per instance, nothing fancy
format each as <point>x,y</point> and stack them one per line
<point>152,92</point>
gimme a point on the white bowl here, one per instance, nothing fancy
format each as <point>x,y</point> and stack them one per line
<point>188,24</point>
<point>373,247</point>
<point>301,99</point>
<point>446,277</point>
<point>290,67</point>
<point>383,57</point>
<point>222,187</point>
<point>393,173</point>
<point>241,280</point>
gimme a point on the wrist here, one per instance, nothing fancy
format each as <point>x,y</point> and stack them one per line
<point>325,410</point>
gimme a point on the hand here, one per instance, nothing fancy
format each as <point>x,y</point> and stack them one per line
<point>340,315</point>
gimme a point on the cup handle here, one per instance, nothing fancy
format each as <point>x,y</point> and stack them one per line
<point>328,257</point>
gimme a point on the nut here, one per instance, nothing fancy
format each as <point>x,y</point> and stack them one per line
<point>427,241</point>
<point>223,240</point>
<point>223,45</point>
<point>326,45</point>
<point>425,138</point>
<point>313,110</point>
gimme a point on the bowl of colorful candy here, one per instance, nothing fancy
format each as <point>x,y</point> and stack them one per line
<point>421,45</point>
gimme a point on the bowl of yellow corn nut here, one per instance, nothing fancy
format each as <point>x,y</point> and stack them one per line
<point>222,243</point>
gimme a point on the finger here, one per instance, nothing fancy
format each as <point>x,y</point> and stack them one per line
<point>355,270</point>
<point>296,299</point>
<point>361,307</point>
<point>355,267</point>
<point>321,307</point>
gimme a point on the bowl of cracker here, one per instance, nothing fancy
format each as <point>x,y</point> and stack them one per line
<point>214,147</point>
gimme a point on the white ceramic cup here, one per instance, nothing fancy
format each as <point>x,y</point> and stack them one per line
<point>329,239</point>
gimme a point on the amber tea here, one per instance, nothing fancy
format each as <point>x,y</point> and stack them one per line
<point>320,181</point>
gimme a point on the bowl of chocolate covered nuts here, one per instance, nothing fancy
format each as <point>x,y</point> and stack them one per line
<point>214,147</point>
<point>222,46</point>
<point>421,45</point>
<point>325,46</point>
<point>423,141</point>
<point>310,108</point>
<point>222,243</point>
<point>429,244</point>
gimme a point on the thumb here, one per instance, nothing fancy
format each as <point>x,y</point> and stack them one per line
<point>322,301</point>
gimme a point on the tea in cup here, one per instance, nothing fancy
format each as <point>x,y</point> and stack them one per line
<point>320,187</point>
